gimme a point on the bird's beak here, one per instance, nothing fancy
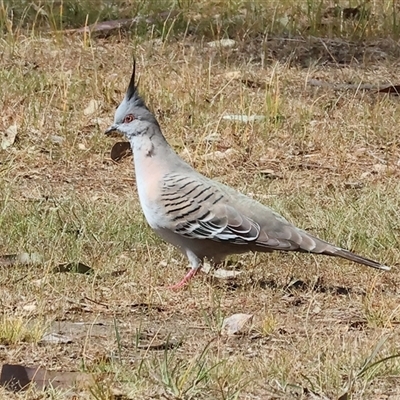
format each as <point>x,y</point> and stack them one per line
<point>112,131</point>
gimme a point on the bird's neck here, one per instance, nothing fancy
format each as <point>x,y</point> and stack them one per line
<point>151,146</point>
<point>153,158</point>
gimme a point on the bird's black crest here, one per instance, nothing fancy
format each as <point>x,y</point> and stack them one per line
<point>132,93</point>
<point>132,88</point>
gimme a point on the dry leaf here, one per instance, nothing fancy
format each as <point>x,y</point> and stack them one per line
<point>77,268</point>
<point>353,12</point>
<point>9,136</point>
<point>284,19</point>
<point>354,185</point>
<point>10,260</point>
<point>254,84</point>
<point>212,137</point>
<point>125,23</point>
<point>269,173</point>
<point>165,345</point>
<point>39,10</point>
<point>55,338</point>
<point>379,168</point>
<point>106,26</point>
<point>244,118</point>
<point>392,89</point>
<point>29,307</point>
<point>222,43</point>
<point>233,75</point>
<point>344,396</point>
<point>236,323</point>
<point>359,12</point>
<point>57,139</point>
<point>365,174</point>
<point>147,307</point>
<point>92,107</point>
<point>120,150</point>
<point>19,377</point>
<point>118,272</point>
<point>220,273</point>
<point>220,155</point>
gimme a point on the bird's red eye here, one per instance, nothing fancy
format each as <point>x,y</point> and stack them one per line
<point>129,118</point>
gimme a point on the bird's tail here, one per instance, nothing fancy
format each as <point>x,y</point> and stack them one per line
<point>318,246</point>
<point>286,237</point>
<point>322,247</point>
<point>348,255</point>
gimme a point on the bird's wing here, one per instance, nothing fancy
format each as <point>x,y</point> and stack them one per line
<point>219,222</point>
<point>199,208</point>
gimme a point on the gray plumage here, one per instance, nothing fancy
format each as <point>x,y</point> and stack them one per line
<point>202,217</point>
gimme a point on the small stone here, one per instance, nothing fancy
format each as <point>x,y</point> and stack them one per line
<point>57,139</point>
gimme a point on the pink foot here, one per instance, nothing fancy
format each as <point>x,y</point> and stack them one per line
<point>185,280</point>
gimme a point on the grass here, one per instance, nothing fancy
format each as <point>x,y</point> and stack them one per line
<point>217,18</point>
<point>318,322</point>
<point>15,330</point>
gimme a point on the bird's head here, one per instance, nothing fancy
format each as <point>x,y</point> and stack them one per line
<point>132,117</point>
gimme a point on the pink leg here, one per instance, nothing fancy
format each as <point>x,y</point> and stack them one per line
<point>185,280</point>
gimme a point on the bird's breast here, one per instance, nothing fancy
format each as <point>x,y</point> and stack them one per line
<point>148,176</point>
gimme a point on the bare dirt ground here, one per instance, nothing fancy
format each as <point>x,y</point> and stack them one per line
<point>328,160</point>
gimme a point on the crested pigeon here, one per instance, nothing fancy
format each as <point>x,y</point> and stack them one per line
<point>201,217</point>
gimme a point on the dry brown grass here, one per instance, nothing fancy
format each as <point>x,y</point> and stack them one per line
<point>317,320</point>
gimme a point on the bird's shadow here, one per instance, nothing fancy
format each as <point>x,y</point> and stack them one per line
<point>293,285</point>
